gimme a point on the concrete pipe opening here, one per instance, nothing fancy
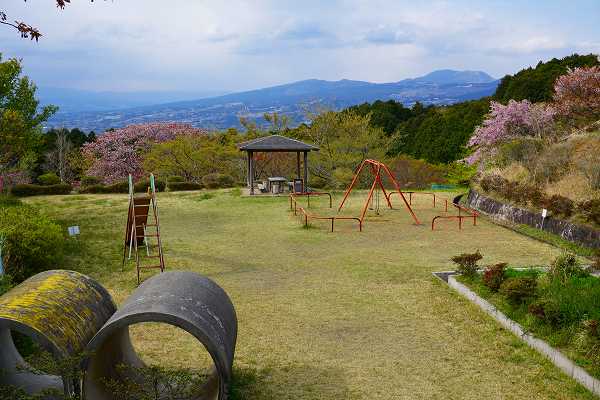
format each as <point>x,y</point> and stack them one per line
<point>60,311</point>
<point>184,300</point>
<point>17,373</point>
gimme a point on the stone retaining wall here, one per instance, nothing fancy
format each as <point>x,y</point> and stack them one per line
<point>505,212</point>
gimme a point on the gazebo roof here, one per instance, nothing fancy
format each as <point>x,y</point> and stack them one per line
<point>276,143</point>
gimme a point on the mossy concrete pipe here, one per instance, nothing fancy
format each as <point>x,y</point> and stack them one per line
<point>183,299</point>
<point>59,310</point>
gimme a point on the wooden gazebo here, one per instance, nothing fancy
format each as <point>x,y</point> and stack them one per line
<point>272,144</point>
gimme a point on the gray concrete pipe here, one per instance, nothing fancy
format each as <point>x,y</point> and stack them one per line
<point>183,299</point>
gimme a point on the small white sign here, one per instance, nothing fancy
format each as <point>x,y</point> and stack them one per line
<point>73,230</point>
<point>544,212</point>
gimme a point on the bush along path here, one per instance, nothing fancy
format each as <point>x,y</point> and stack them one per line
<point>559,304</point>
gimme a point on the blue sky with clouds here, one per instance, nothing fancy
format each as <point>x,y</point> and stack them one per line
<point>205,45</point>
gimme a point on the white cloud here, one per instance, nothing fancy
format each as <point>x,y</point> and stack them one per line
<point>242,44</point>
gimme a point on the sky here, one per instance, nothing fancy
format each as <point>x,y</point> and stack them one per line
<point>231,45</point>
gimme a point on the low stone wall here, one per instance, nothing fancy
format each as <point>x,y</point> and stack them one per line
<point>505,212</point>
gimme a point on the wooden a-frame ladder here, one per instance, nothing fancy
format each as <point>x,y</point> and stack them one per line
<point>137,230</point>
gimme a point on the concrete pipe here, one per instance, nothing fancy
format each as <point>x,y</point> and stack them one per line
<point>59,310</point>
<point>182,299</point>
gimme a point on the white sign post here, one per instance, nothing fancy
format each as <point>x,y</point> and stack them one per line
<point>74,230</point>
<point>544,214</point>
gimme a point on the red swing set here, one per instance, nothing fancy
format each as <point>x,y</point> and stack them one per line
<point>378,169</point>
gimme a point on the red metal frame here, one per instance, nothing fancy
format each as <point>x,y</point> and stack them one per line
<point>306,215</point>
<point>376,169</point>
<point>469,214</point>
<point>308,194</point>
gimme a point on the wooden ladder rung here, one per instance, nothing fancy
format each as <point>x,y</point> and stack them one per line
<point>151,235</point>
<point>150,266</point>
<point>141,226</point>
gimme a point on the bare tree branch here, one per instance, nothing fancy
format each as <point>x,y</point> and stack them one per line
<point>27,31</point>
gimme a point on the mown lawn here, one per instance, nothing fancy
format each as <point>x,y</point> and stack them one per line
<point>322,315</point>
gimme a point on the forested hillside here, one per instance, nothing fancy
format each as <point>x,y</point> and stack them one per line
<point>439,134</point>
<point>537,84</point>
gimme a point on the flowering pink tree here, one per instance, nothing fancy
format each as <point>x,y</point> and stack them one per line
<point>577,94</point>
<point>117,153</point>
<point>506,122</point>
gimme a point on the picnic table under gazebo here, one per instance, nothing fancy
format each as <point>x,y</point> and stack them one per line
<point>277,144</point>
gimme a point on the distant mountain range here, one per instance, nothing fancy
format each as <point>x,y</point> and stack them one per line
<point>294,100</point>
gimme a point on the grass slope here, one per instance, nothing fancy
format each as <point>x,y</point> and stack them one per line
<point>322,315</point>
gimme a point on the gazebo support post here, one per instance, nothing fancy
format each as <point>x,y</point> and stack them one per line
<point>298,165</point>
<point>305,171</point>
<point>251,168</point>
<point>248,168</point>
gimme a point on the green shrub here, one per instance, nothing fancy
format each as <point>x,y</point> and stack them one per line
<point>410,172</point>
<point>142,186</point>
<point>27,189</point>
<point>519,289</point>
<point>5,284</point>
<point>560,205</point>
<point>90,181</point>
<point>93,189</point>
<point>318,182</point>
<point>33,243</point>
<point>175,178</point>
<point>467,263</point>
<point>181,186</point>
<point>590,210</point>
<point>341,178</point>
<point>494,275</point>
<point>566,266</point>
<point>460,173</point>
<point>215,181</point>
<point>7,200</point>
<point>577,298</point>
<point>547,310</point>
<point>118,187</point>
<point>49,178</point>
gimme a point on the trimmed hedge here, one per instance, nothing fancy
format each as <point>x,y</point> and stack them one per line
<point>90,181</point>
<point>175,178</point>
<point>216,181</point>
<point>142,186</point>
<point>49,178</point>
<point>180,186</point>
<point>122,187</point>
<point>119,187</point>
<point>28,189</point>
<point>33,243</point>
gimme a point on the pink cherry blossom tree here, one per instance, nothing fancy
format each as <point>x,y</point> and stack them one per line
<point>506,122</point>
<point>577,94</point>
<point>115,154</point>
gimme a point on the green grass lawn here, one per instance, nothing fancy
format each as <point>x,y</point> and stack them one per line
<point>323,315</point>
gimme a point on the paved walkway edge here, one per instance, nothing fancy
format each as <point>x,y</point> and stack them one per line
<point>557,358</point>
